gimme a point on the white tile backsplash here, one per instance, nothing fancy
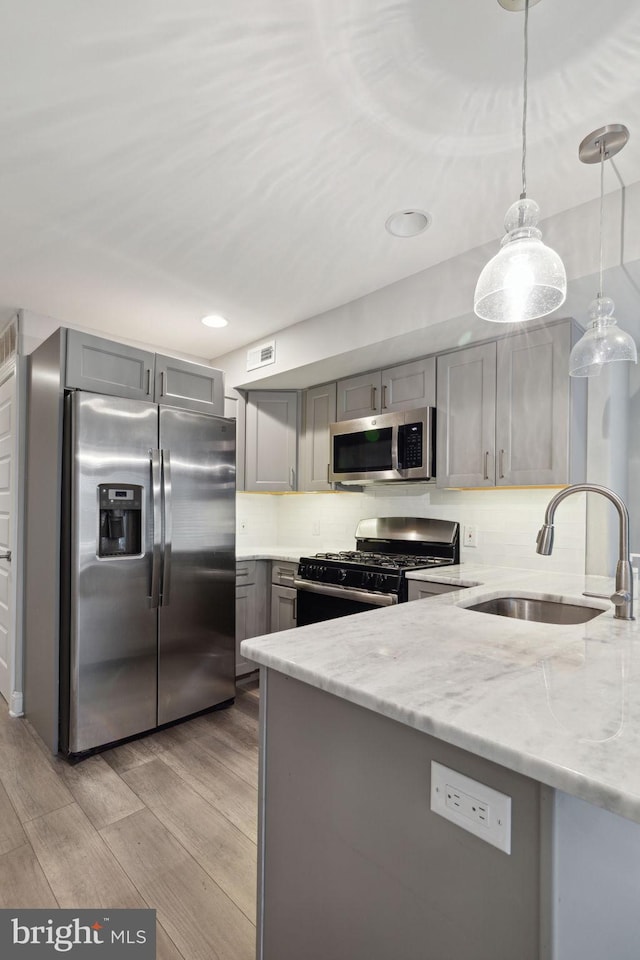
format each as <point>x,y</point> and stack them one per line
<point>506,521</point>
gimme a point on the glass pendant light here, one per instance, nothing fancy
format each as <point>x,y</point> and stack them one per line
<point>604,341</point>
<point>525,279</point>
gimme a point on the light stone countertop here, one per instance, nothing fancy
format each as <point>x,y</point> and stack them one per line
<point>269,553</point>
<point>560,704</point>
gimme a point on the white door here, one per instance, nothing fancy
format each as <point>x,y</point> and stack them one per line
<point>8,432</point>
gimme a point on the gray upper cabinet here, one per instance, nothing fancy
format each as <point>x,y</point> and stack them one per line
<point>402,387</point>
<point>510,415</point>
<point>466,417</point>
<point>319,412</point>
<point>271,443</point>
<point>191,386</point>
<point>534,443</point>
<point>103,366</point>
<point>359,396</point>
<point>409,385</point>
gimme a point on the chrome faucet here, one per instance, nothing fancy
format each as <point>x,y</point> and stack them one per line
<point>622,599</point>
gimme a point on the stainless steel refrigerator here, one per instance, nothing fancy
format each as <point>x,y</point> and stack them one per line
<point>129,573</point>
<point>147,630</point>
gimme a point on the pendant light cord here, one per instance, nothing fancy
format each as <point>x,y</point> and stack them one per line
<point>523,195</point>
<point>602,152</point>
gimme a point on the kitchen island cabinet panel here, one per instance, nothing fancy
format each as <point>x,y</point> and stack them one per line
<point>356,857</point>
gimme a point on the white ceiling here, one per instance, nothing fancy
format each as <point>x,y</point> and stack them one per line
<point>162,160</point>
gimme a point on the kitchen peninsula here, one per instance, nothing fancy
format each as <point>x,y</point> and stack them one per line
<point>355,865</point>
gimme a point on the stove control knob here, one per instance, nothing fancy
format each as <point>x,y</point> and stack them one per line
<point>342,576</point>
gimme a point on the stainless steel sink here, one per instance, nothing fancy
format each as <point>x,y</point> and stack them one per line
<point>541,611</point>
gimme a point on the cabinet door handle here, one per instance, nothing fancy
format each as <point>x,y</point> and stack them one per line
<point>292,478</point>
<point>384,396</point>
<point>373,398</point>
<point>501,465</point>
<point>486,465</point>
<point>295,610</point>
<point>162,383</point>
<point>148,390</point>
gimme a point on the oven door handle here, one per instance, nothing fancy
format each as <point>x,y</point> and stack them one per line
<point>347,593</point>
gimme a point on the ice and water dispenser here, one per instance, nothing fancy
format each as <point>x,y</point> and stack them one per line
<point>120,529</point>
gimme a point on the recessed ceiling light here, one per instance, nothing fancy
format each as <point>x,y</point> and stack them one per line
<point>408,223</point>
<point>214,320</point>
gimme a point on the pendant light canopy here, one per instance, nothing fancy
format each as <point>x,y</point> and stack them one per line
<point>526,279</point>
<point>604,341</point>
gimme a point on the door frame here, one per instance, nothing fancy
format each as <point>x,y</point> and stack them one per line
<point>15,367</point>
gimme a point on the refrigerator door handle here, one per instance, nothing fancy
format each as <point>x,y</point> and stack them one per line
<point>156,496</point>
<point>166,508</point>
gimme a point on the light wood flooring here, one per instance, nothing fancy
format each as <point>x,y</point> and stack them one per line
<point>168,822</point>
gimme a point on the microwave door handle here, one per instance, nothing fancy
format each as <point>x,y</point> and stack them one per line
<point>396,454</point>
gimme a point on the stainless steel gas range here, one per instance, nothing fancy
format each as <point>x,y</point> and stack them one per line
<point>374,574</point>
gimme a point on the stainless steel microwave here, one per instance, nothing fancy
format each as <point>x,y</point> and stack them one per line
<point>391,446</point>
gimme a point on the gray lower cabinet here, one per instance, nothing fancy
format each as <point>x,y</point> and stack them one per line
<point>192,386</point>
<point>283,608</point>
<point>283,595</point>
<point>271,441</point>
<point>409,385</point>
<point>102,366</point>
<point>251,607</point>
<point>509,414</point>
<point>319,411</point>
<point>419,589</point>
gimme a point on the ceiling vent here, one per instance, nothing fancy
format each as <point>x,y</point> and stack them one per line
<point>261,356</point>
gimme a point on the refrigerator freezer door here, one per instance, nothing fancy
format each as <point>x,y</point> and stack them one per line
<point>112,634</point>
<point>196,639</point>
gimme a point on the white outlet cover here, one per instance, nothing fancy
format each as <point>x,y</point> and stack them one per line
<point>496,828</point>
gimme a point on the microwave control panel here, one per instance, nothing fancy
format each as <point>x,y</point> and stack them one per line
<point>410,446</point>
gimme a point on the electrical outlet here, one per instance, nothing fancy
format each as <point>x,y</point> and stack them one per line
<point>470,535</point>
<point>243,526</point>
<point>473,806</point>
<point>467,806</point>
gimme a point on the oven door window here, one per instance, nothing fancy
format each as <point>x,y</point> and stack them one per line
<point>363,451</point>
<point>314,607</point>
